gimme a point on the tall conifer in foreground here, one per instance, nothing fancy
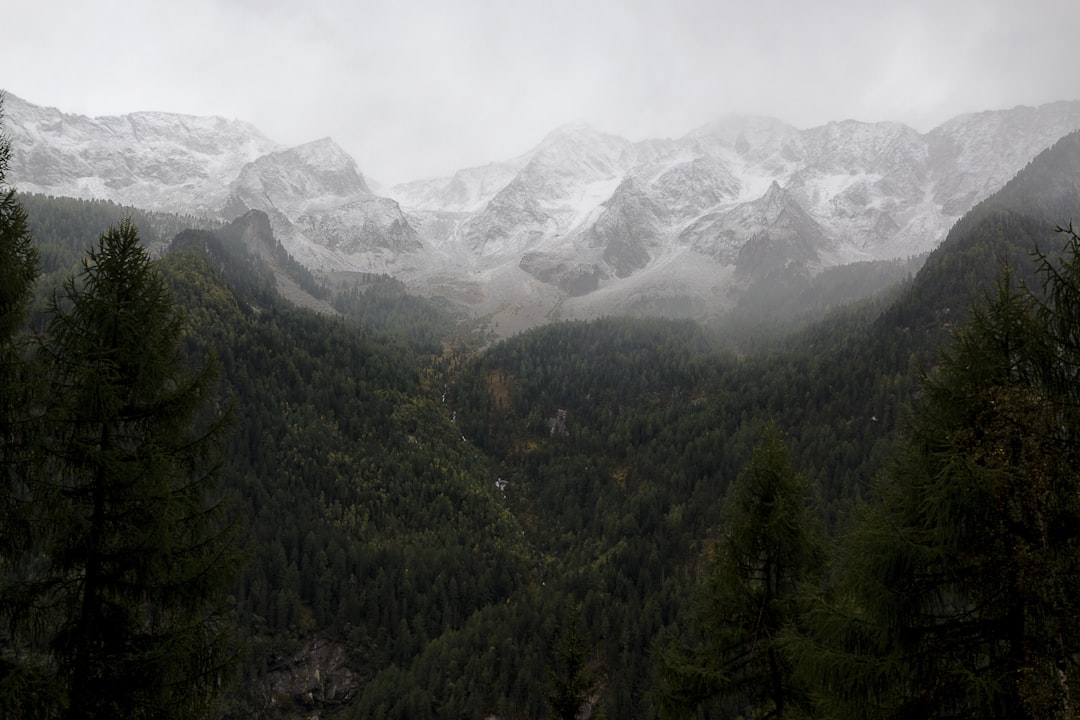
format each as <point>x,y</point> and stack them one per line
<point>730,660</point>
<point>18,271</point>
<point>958,592</point>
<point>137,560</point>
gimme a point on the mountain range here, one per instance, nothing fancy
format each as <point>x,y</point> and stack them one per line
<point>583,224</point>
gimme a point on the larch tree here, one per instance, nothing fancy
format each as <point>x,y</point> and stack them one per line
<point>137,554</point>
<point>19,676</point>
<point>730,658</point>
<point>957,592</point>
<point>18,272</point>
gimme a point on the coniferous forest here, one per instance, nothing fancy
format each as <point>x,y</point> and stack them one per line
<point>219,504</point>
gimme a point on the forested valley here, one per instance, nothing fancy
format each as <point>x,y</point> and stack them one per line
<point>871,515</point>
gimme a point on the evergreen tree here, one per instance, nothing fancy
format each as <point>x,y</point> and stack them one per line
<point>18,257</point>
<point>958,592</point>
<point>18,271</point>
<point>573,680</point>
<point>137,558</point>
<point>731,659</point>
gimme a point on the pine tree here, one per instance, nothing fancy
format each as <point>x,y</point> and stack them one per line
<point>137,559</point>
<point>731,657</point>
<point>958,591</point>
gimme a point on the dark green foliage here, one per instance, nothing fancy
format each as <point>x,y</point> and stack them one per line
<point>957,591</point>
<point>18,256</point>
<point>729,659</point>
<point>1001,230</point>
<point>20,682</point>
<point>618,491</point>
<point>368,448</point>
<point>251,233</point>
<point>64,229</point>
<point>135,556</point>
<point>373,524</point>
<point>381,305</point>
<point>573,680</point>
<point>18,273</point>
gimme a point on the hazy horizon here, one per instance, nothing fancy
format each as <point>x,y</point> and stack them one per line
<point>426,89</point>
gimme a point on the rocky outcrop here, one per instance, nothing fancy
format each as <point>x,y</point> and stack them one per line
<point>314,677</point>
<point>573,278</point>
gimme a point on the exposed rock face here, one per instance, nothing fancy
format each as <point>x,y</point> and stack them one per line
<point>574,278</point>
<point>631,222</point>
<point>291,180</point>
<point>771,232</point>
<point>510,221</point>
<point>317,189</point>
<point>314,677</point>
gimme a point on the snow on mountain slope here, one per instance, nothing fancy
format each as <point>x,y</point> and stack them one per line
<point>297,179</point>
<point>314,193</point>
<point>318,201</point>
<point>466,191</point>
<point>157,161</point>
<point>749,194</point>
<point>974,155</point>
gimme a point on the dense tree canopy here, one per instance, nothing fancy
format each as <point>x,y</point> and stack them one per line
<point>136,556</point>
<point>424,512</point>
<point>957,590</point>
<point>730,659</point>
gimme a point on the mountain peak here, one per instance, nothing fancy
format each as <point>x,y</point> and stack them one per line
<point>320,168</point>
<point>326,154</point>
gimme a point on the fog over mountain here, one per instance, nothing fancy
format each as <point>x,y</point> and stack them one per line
<point>585,223</point>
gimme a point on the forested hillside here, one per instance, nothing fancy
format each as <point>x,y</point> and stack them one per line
<point>431,529</point>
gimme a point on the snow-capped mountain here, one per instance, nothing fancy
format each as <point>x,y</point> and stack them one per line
<point>319,204</point>
<point>162,161</point>
<point>586,212</point>
<point>315,193</point>
<point>583,223</point>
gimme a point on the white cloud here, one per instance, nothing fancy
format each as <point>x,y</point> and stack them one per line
<point>425,87</point>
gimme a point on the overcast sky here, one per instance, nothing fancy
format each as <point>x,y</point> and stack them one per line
<point>416,88</point>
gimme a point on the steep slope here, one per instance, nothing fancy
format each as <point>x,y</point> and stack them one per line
<point>767,233</point>
<point>431,534</point>
<point>973,155</point>
<point>1006,227</point>
<point>319,203</point>
<point>573,168</point>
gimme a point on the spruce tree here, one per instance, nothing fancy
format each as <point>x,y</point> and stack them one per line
<point>730,658</point>
<point>958,590</point>
<point>137,560</point>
